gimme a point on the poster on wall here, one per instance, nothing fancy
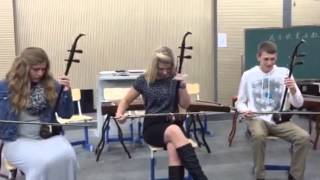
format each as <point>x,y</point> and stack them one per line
<point>222,40</point>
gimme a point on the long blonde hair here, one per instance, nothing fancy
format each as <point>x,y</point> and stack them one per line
<point>19,82</point>
<point>161,55</point>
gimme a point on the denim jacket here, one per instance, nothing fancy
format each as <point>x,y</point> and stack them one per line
<point>9,131</point>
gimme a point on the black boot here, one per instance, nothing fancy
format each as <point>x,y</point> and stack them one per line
<point>290,177</point>
<point>176,172</point>
<point>190,161</point>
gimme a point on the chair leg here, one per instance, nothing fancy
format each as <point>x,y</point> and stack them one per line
<point>87,144</point>
<point>139,138</point>
<point>310,126</point>
<point>187,126</point>
<point>206,126</point>
<point>1,147</point>
<point>131,132</point>
<point>317,137</point>
<point>152,168</point>
<point>107,135</point>
<point>277,167</point>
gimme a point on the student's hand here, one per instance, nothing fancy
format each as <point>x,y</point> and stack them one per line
<point>248,114</point>
<point>290,84</point>
<point>121,118</point>
<point>64,81</point>
<point>181,78</point>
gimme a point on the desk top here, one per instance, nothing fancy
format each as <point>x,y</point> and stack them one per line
<point>311,98</point>
<point>312,103</point>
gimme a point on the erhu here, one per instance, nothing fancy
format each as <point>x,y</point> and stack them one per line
<point>47,131</point>
<point>278,117</point>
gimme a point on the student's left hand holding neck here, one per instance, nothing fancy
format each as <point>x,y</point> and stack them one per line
<point>291,85</point>
<point>64,81</point>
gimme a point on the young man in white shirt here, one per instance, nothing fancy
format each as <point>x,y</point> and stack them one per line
<point>261,90</point>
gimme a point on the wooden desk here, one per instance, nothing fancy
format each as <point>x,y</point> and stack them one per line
<point>312,103</point>
<point>111,108</point>
<point>112,79</point>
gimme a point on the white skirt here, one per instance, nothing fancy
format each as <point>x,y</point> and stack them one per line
<point>45,159</point>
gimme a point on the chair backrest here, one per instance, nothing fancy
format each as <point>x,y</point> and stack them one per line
<point>234,100</point>
<point>194,89</point>
<point>76,96</point>
<point>114,94</point>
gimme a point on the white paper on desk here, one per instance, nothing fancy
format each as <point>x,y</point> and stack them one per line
<point>136,71</point>
<point>106,72</point>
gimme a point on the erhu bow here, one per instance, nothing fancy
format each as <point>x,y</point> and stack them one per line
<point>278,117</point>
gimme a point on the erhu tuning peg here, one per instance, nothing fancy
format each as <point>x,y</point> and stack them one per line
<point>77,51</point>
<point>187,47</point>
<point>301,55</point>
<point>73,60</point>
<point>298,62</point>
<point>186,57</point>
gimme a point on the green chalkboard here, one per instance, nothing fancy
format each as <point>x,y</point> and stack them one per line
<point>287,39</point>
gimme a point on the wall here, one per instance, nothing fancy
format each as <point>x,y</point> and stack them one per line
<point>233,18</point>
<point>305,12</point>
<point>121,34</point>
<point>7,39</point>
